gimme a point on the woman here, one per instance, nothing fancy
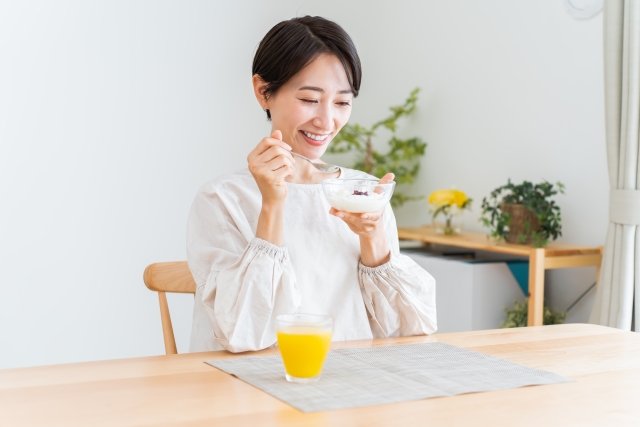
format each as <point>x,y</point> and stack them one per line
<point>263,242</point>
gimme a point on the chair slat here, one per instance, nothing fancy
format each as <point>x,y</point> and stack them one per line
<point>164,277</point>
<point>167,327</point>
<point>170,277</point>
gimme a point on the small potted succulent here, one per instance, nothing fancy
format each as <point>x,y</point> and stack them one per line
<point>523,213</point>
<point>449,204</point>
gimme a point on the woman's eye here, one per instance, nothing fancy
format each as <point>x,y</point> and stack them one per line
<point>309,101</point>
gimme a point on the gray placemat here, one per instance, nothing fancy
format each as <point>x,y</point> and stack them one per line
<point>354,377</point>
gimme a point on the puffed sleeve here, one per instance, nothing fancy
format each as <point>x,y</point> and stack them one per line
<point>245,282</point>
<point>400,296</point>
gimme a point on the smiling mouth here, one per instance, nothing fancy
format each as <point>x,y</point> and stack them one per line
<point>314,139</point>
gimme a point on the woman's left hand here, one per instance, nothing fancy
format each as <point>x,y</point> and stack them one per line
<point>370,228</point>
<point>365,225</point>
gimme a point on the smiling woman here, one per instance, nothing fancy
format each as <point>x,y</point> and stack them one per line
<point>311,107</point>
<point>292,45</point>
<point>263,242</point>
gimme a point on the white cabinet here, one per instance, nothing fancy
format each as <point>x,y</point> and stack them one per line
<point>470,295</point>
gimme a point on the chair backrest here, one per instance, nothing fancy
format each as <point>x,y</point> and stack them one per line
<point>164,277</point>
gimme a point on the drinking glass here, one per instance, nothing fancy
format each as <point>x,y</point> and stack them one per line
<point>304,341</point>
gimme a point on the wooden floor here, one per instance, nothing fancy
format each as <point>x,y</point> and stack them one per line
<point>181,390</point>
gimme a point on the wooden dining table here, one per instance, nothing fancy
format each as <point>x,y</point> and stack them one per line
<point>181,390</point>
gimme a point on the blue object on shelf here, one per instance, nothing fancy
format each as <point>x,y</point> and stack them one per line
<point>520,270</point>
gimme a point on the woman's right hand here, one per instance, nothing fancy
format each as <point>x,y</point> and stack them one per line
<point>270,163</point>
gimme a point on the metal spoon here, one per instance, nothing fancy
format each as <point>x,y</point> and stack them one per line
<point>322,167</point>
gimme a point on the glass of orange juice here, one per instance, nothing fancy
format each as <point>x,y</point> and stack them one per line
<point>304,341</point>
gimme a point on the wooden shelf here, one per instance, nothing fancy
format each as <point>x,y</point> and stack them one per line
<point>554,255</point>
<point>481,242</point>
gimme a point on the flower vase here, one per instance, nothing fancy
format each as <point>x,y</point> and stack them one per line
<point>446,207</point>
<point>448,224</point>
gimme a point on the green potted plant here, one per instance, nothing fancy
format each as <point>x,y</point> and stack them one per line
<point>523,213</point>
<point>517,315</point>
<point>403,157</point>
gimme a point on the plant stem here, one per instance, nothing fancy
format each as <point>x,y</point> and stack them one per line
<point>368,157</point>
<point>448,230</point>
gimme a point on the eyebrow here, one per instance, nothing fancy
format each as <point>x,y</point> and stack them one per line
<point>319,89</point>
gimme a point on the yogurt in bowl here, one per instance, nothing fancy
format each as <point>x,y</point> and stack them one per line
<point>357,195</point>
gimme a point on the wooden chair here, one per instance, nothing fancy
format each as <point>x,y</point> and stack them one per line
<point>164,277</point>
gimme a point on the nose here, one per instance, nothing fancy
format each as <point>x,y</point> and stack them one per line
<point>324,118</point>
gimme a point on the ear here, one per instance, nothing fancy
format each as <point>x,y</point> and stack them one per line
<point>259,87</point>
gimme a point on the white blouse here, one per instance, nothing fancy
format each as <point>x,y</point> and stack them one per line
<point>244,282</point>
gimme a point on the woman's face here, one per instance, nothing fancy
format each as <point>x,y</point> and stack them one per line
<point>311,108</point>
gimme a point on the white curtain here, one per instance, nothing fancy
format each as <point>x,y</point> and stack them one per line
<point>620,275</point>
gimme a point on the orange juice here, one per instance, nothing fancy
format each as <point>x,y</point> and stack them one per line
<point>304,349</point>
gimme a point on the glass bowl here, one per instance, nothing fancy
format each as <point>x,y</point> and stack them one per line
<point>357,195</point>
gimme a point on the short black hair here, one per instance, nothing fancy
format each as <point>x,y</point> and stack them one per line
<point>291,45</point>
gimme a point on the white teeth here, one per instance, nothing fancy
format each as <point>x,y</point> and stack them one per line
<point>315,137</point>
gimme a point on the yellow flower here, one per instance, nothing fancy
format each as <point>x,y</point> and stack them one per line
<point>448,197</point>
<point>459,198</point>
<point>441,198</point>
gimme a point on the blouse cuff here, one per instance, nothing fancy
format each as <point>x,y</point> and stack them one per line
<point>376,270</point>
<point>269,248</point>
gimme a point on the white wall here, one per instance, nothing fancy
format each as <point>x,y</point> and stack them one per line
<point>112,114</point>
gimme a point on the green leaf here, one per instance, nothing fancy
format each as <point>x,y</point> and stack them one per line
<point>517,316</point>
